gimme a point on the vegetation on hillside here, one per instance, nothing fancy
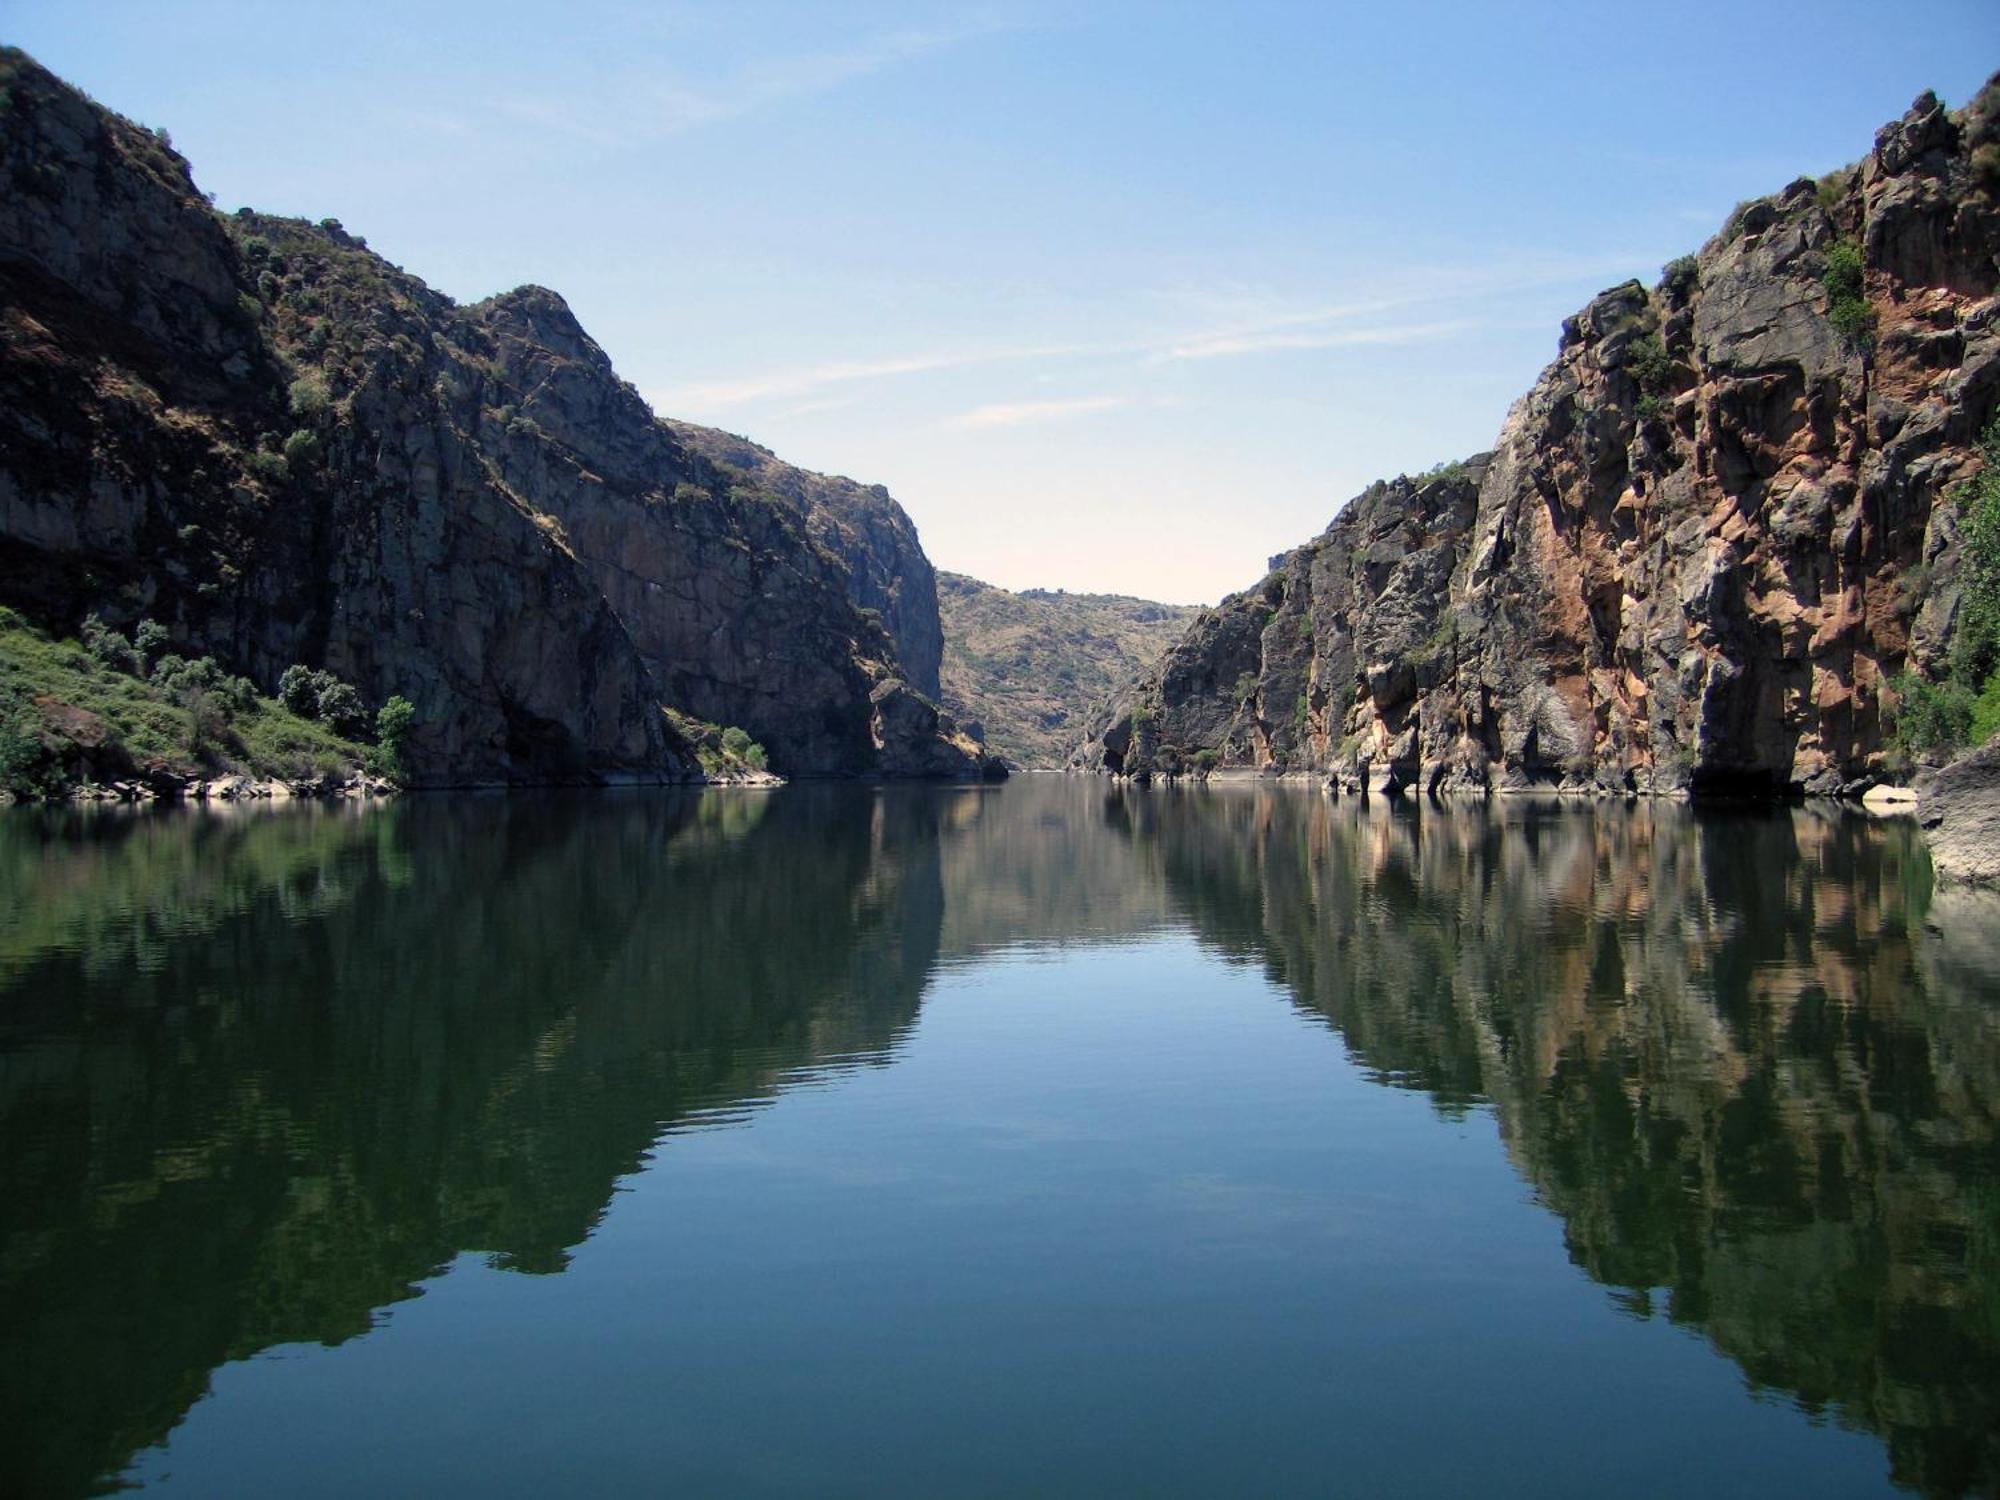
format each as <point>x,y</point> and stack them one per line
<point>111,708</point>
<point>1962,707</point>
<point>1029,667</point>
<point>725,753</point>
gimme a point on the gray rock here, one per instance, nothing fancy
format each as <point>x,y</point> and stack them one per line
<point>1959,809</point>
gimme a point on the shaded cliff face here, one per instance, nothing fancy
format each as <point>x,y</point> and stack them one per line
<point>1030,668</point>
<point>863,526</point>
<point>1706,540</point>
<point>265,437</point>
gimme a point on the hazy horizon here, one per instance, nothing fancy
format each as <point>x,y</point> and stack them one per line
<point>1116,302</point>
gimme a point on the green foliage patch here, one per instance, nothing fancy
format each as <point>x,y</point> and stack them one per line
<point>105,707</point>
<point>1964,706</point>
<point>1846,303</point>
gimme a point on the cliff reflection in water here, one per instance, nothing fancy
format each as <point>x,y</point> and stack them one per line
<point>1762,1095</point>
<point>258,1075</point>
<point>261,1074</point>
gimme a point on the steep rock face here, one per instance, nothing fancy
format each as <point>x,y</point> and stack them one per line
<point>1706,540</point>
<point>265,437</point>
<point>863,526</point>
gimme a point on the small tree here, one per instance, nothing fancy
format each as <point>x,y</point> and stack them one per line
<point>340,707</point>
<point>392,727</point>
<point>299,690</point>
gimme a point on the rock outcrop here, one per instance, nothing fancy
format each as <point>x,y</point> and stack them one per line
<point>863,526</point>
<point>1703,546</point>
<point>1960,812</point>
<point>263,436</point>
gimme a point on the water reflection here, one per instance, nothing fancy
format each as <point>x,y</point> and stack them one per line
<point>259,1074</point>
<point>1763,1096</point>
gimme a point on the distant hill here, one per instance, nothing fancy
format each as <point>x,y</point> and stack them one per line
<point>1029,667</point>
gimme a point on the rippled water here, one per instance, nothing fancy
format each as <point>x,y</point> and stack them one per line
<point>1057,1138</point>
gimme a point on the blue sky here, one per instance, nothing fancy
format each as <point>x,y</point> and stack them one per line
<point>1112,296</point>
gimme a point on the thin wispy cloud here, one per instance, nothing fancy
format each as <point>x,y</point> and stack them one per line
<point>1217,346</point>
<point>1324,326</point>
<point>1022,413</point>
<point>648,109</point>
<point>813,378</point>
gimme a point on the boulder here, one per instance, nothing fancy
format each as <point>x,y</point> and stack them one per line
<point>1959,810</point>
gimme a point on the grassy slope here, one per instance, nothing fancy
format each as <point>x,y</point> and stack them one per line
<point>1029,667</point>
<point>95,722</point>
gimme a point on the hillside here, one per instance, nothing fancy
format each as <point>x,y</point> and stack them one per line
<point>1027,669</point>
<point>1723,544</point>
<point>261,437</point>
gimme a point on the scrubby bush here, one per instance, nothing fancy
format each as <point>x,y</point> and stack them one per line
<point>1651,366</point>
<point>271,468</point>
<point>301,450</point>
<point>392,722</point>
<point>21,750</point>
<point>1847,305</point>
<point>309,397</point>
<point>1680,276</point>
<point>1932,716</point>
<point>148,641</point>
<point>755,758</point>
<point>108,646</point>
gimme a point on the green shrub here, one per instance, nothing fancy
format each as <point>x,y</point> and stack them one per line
<point>298,690</point>
<point>1847,303</point>
<point>1680,276</point>
<point>148,641</point>
<point>1975,654</point>
<point>1985,713</point>
<point>108,646</point>
<point>21,750</point>
<point>1651,366</point>
<point>301,450</point>
<point>392,722</point>
<point>1451,470</point>
<point>271,468</point>
<point>736,740</point>
<point>1207,760</point>
<point>339,707</point>
<point>755,758</point>
<point>309,397</point>
<point>1931,716</point>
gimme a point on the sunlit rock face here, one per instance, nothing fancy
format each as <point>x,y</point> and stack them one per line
<point>266,438</point>
<point>1705,541</point>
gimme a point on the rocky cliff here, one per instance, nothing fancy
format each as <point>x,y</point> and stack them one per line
<point>1027,670</point>
<point>261,435</point>
<point>863,526</point>
<point>1705,543</point>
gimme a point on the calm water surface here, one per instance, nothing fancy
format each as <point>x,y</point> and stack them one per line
<point>1058,1138</point>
